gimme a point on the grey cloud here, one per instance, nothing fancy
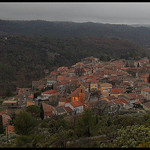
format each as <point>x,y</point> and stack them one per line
<point>78,12</point>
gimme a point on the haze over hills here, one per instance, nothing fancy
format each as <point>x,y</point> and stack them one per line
<point>140,25</point>
<point>139,35</point>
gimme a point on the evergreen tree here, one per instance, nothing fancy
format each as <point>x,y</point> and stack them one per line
<point>149,79</point>
<point>86,123</point>
<point>24,123</point>
<point>1,125</point>
<point>34,110</point>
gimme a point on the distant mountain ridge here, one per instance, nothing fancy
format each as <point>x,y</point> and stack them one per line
<point>56,29</point>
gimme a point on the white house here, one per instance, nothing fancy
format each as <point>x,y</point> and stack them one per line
<point>76,106</point>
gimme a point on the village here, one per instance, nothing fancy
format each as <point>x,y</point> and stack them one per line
<point>115,85</point>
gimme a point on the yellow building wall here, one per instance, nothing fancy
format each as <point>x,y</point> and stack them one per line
<point>29,103</point>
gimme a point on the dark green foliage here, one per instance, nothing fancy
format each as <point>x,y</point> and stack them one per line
<point>127,120</point>
<point>34,110</point>
<point>149,79</point>
<point>131,136</point>
<point>139,35</point>
<point>42,112</point>
<point>1,125</point>
<point>8,92</point>
<point>120,130</point>
<point>24,123</point>
<point>24,141</point>
<point>85,124</point>
<point>37,93</point>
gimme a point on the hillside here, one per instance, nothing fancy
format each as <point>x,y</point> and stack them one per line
<point>139,35</point>
<point>24,58</point>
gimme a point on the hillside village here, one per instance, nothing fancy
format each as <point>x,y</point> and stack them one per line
<point>107,86</point>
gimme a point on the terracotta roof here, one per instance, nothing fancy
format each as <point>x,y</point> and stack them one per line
<point>62,82</point>
<point>106,85</point>
<point>68,109</point>
<point>146,89</point>
<point>47,109</point>
<point>123,101</point>
<point>6,119</point>
<point>51,79</point>
<point>147,104</point>
<point>71,71</point>
<point>116,91</point>
<point>50,92</point>
<point>138,102</point>
<point>53,73</point>
<point>140,97</point>
<point>62,68</point>
<point>74,93</point>
<point>3,112</point>
<point>117,101</point>
<point>10,129</point>
<point>31,96</point>
<point>112,78</point>
<point>76,104</point>
<point>60,77</point>
<point>111,97</point>
<point>144,76</point>
<point>90,77</point>
<point>125,68</point>
<point>62,99</point>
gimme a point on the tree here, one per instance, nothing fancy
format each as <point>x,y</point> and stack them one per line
<point>34,110</point>
<point>129,89</point>
<point>131,136</point>
<point>149,79</point>
<point>37,93</point>
<point>24,141</point>
<point>144,145</point>
<point>96,93</point>
<point>8,92</point>
<point>1,125</point>
<point>138,65</point>
<point>85,123</point>
<point>61,137</point>
<point>24,123</point>
<point>101,107</point>
<point>128,120</point>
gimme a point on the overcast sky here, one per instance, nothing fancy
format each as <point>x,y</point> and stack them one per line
<point>123,12</point>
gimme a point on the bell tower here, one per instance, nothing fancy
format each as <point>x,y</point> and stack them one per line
<point>81,94</point>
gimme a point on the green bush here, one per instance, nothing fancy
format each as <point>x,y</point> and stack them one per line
<point>24,123</point>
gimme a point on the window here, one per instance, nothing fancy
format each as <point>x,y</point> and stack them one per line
<point>75,99</point>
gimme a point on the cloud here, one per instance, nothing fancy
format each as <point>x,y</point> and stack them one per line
<point>79,12</point>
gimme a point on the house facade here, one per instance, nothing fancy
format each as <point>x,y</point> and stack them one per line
<point>146,93</point>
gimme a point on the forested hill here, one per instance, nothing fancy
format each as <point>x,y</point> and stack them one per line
<point>139,35</point>
<point>24,58</point>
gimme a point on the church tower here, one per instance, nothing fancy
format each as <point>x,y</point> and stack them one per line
<point>81,94</point>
